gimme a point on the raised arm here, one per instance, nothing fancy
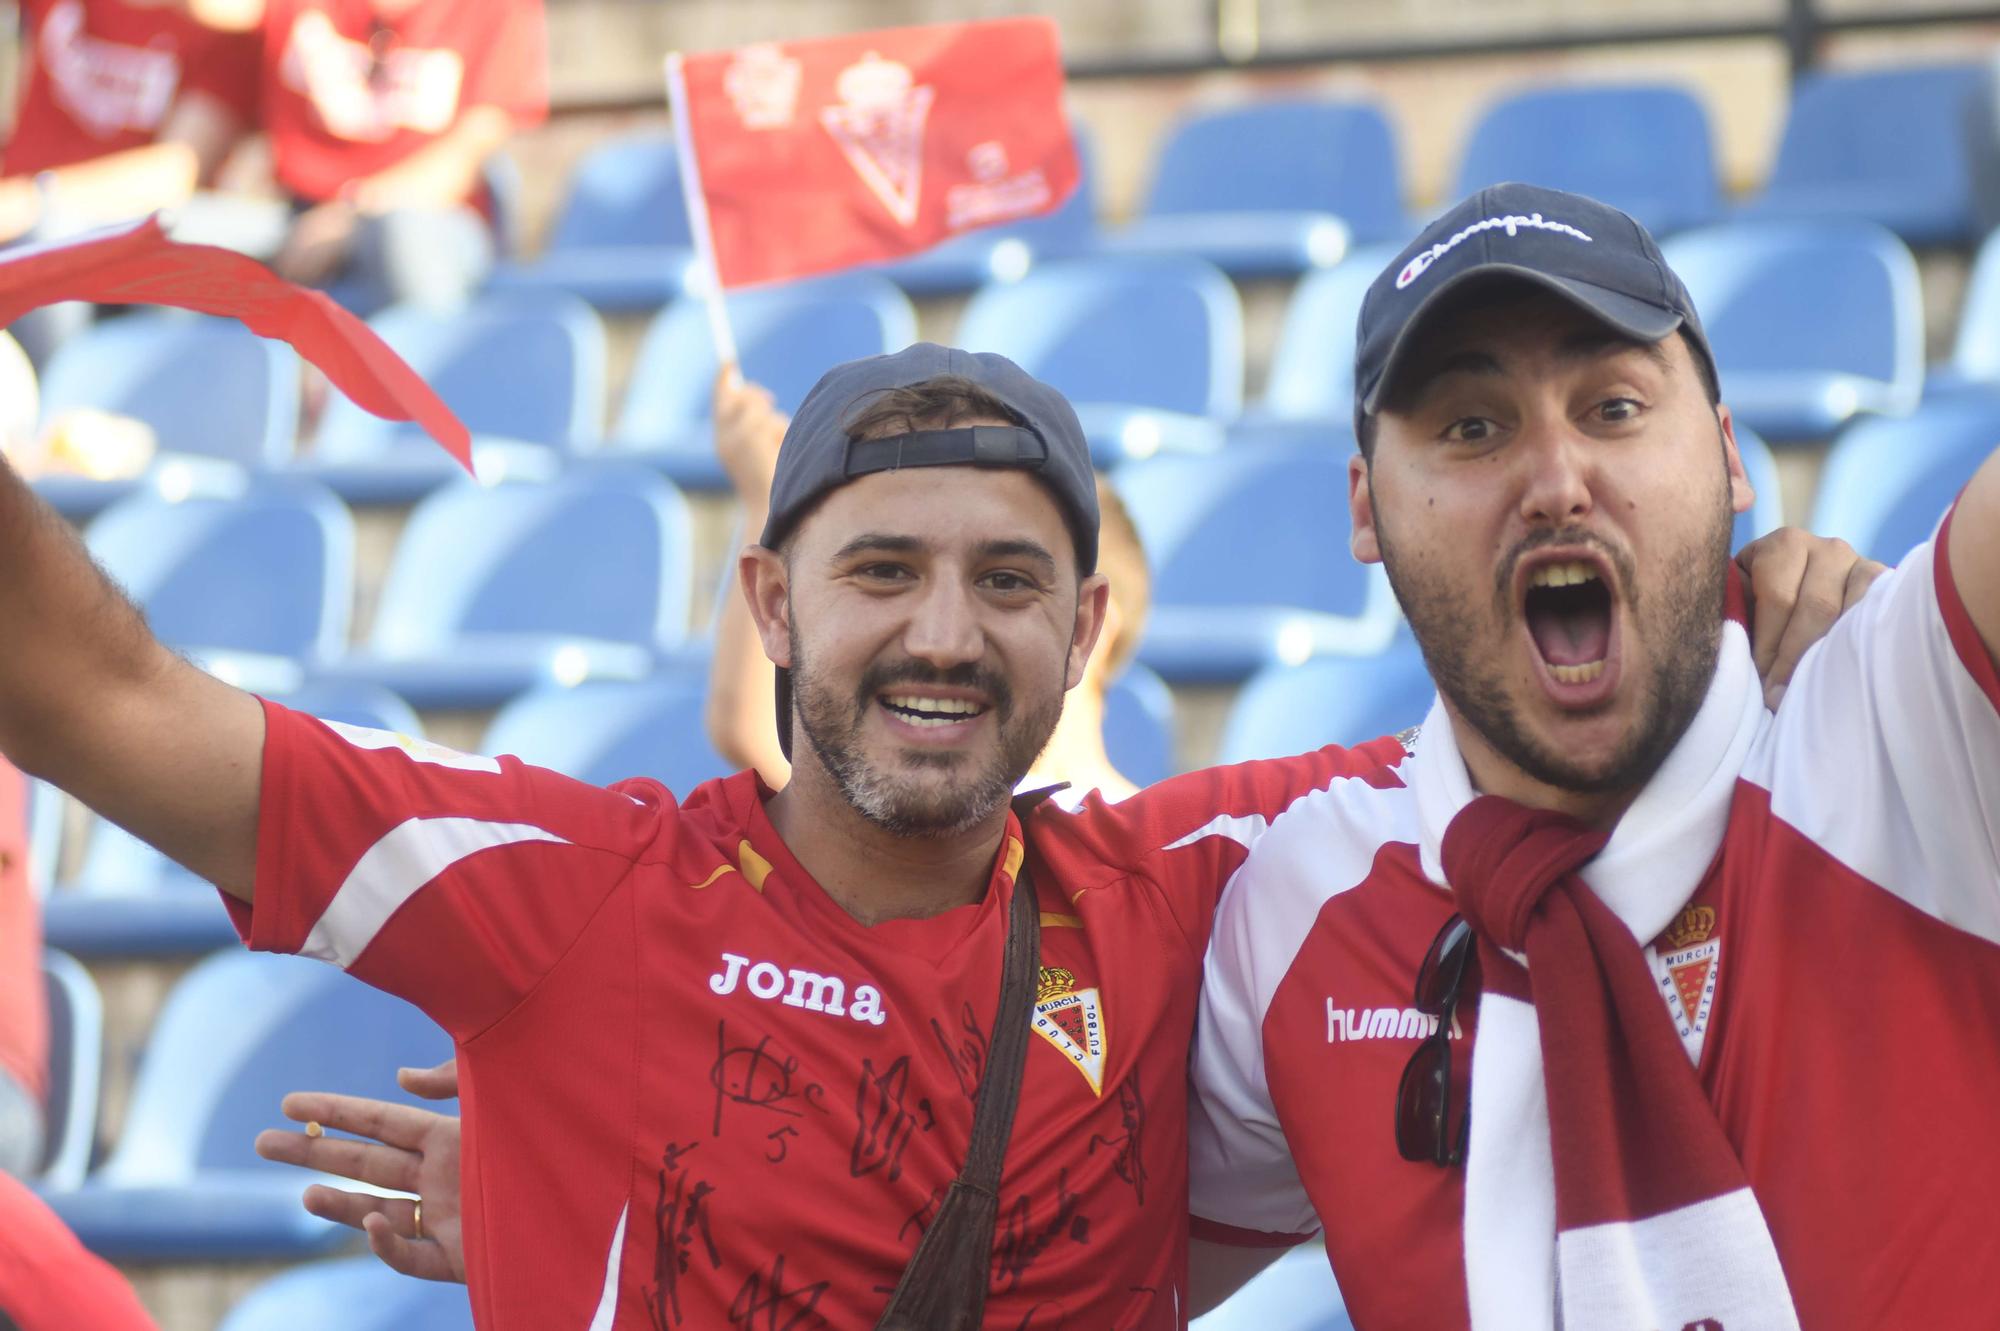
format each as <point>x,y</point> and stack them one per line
<point>92,703</point>
<point>742,691</point>
<point>1975,553</point>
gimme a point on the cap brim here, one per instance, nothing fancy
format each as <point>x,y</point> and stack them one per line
<point>1638,319</point>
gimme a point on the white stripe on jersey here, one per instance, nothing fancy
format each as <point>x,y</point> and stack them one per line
<point>607,1302</point>
<point>1243,831</point>
<point>410,855</point>
<point>420,750</point>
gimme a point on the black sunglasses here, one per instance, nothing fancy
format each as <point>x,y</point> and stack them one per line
<point>1424,1127</point>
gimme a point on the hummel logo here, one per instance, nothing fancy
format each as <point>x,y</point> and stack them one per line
<point>1382,1023</point>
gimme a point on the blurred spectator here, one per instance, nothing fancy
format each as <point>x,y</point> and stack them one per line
<point>80,442</point>
<point>24,1017</point>
<point>48,1282</point>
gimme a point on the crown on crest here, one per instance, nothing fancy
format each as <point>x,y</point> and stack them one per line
<point>1055,982</point>
<point>1692,926</point>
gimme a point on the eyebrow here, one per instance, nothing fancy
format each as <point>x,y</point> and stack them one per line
<point>882,542</point>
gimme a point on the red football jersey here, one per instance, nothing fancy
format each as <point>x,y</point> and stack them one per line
<point>1835,976</point>
<point>347,93</point>
<point>698,1093</point>
<point>48,1282</point>
<point>99,76</point>
<point>24,1017</point>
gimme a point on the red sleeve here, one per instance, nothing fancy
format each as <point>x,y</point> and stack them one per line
<point>226,66</point>
<point>1189,834</point>
<point>452,880</point>
<point>507,62</point>
<point>48,1282</point>
<point>1964,634</point>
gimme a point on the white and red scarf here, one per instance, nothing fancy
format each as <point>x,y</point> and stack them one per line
<point>1601,1192</point>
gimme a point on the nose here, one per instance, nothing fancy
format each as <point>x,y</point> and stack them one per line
<point>944,626</point>
<point>1557,463</point>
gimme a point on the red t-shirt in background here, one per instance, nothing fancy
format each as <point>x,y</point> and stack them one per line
<point>48,1282</point>
<point>347,94</point>
<point>697,1093</point>
<point>99,76</point>
<point>24,1017</point>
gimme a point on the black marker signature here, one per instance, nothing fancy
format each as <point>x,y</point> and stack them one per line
<point>883,1127</point>
<point>680,1217</point>
<point>777,1137</point>
<point>1130,1163</point>
<point>758,1075</point>
<point>757,1306</point>
<point>966,1051</point>
<point>1019,1245</point>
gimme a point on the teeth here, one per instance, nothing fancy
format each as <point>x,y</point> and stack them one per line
<point>1562,575</point>
<point>918,702</point>
<point>1577,674</point>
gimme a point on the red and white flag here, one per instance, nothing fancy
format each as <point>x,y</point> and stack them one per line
<point>816,155</point>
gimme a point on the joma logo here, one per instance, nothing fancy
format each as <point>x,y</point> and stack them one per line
<point>808,989</point>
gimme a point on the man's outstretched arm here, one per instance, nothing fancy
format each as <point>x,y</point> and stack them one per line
<point>92,703</point>
<point>1974,551</point>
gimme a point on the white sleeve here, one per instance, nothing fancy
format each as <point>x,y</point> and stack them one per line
<point>1886,750</point>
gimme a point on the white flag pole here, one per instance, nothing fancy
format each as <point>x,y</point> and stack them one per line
<point>697,213</point>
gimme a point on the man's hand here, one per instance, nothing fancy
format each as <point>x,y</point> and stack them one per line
<point>409,1150</point>
<point>1799,584</point>
<point>748,429</point>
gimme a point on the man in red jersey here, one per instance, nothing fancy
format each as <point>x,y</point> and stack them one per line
<point>1725,982</point>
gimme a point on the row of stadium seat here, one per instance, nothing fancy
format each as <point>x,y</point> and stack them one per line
<point>1284,187</point>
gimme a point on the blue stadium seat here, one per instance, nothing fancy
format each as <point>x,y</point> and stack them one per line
<point>1975,353</point>
<point>1287,709</point>
<point>525,374</point>
<point>1272,188</point>
<point>1886,483</point>
<point>1139,726</point>
<point>495,589</point>
<point>353,1294</point>
<point>786,338</point>
<point>1250,563</point>
<point>1890,146</point>
<point>1812,323</point>
<point>257,585</point>
<point>605,732</point>
<point>238,1032</point>
<point>76,1069</point>
<point>1312,368</point>
<point>621,241</point>
<point>501,176</point>
<point>218,397</point>
<point>1583,138</point>
<point>1006,253</point>
<point>1767,512</point>
<point>128,900</point>
<point>1149,350</point>
<point>1294,1293</point>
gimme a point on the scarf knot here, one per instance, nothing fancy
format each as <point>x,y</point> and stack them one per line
<point>1503,858</point>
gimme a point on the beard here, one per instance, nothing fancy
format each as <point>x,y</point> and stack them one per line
<point>1681,622</point>
<point>918,792</point>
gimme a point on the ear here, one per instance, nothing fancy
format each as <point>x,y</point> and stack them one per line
<point>1107,638</point>
<point>766,589</point>
<point>1741,495</point>
<point>1093,599</point>
<point>1361,511</point>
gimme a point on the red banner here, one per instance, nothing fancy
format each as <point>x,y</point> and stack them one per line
<point>817,155</point>
<point>138,265</point>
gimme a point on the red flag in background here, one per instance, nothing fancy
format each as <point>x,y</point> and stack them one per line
<point>816,155</point>
<point>136,264</point>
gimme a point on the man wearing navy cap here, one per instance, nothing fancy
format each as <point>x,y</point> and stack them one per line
<point>1618,1000</point>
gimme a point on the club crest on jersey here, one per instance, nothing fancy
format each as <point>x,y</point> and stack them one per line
<point>1690,958</point>
<point>1072,1020</point>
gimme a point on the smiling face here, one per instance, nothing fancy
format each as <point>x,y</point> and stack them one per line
<point>932,619</point>
<point>1552,503</point>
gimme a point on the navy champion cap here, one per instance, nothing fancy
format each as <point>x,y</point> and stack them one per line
<point>1585,251</point>
<point>817,455</point>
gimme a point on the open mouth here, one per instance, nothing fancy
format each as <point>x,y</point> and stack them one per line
<point>1568,613</point>
<point>926,711</point>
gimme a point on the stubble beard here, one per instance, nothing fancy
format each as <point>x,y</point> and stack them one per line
<point>946,799</point>
<point>1682,625</point>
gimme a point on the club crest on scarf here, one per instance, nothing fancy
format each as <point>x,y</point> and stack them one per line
<point>1688,965</point>
<point>1072,1020</point>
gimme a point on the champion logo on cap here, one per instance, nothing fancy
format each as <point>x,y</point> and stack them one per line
<point>1511,223</point>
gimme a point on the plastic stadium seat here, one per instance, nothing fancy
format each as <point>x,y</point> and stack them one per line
<point>1812,323</point>
<point>1139,726</point>
<point>525,374</point>
<point>76,1067</point>
<point>1890,146</point>
<point>256,585</point>
<point>1294,1293</point>
<point>621,241</point>
<point>354,1294</point>
<point>1886,483</point>
<point>235,1034</point>
<point>1148,350</point>
<point>128,900</point>
<point>1584,139</point>
<point>1272,188</point>
<point>493,590</point>
<point>1268,524</point>
<point>786,338</point>
<point>1346,700</point>
<point>1312,367</point>
<point>217,396</point>
<point>1975,353</point>
<point>606,732</point>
